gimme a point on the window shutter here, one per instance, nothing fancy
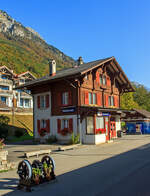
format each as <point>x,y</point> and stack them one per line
<point>97,77</point>
<point>99,99</point>
<point>38,125</point>
<point>59,98</point>
<point>38,101</point>
<point>47,101</point>
<point>108,81</point>
<point>86,98</point>
<point>48,125</point>
<point>70,98</point>
<point>116,101</point>
<point>106,100</point>
<point>71,125</point>
<point>58,125</point>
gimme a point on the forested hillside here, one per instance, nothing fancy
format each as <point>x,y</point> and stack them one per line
<point>138,99</point>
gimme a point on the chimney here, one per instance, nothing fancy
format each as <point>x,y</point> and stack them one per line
<point>52,67</point>
<point>80,61</point>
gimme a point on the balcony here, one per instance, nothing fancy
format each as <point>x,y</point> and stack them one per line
<point>6,92</point>
<point>6,81</point>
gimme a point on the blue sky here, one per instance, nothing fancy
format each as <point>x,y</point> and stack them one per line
<point>92,29</point>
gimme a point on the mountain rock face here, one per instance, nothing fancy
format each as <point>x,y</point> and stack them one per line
<point>22,48</point>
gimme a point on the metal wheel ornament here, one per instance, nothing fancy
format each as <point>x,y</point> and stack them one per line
<point>49,161</point>
<point>36,164</point>
<point>25,170</point>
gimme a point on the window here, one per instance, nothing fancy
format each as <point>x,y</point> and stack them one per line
<point>27,103</point>
<point>99,122</point>
<point>64,123</point>
<point>65,98</point>
<point>90,126</point>
<point>102,79</point>
<point>22,80</point>
<point>4,87</point>
<point>43,123</point>
<point>4,77</point>
<point>42,101</point>
<point>86,76</point>
<point>4,99</point>
<point>21,102</point>
<point>111,100</point>
<point>92,98</point>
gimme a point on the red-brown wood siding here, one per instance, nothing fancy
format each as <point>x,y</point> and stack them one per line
<point>71,125</point>
<point>38,101</point>
<point>38,125</point>
<point>87,97</point>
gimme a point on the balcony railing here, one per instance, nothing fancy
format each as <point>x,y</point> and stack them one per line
<point>5,81</point>
<point>6,91</point>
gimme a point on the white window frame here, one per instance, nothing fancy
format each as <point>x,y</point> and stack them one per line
<point>65,98</point>
<point>42,101</point>
<point>43,124</point>
<point>64,124</point>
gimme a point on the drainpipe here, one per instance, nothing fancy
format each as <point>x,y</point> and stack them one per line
<point>78,115</point>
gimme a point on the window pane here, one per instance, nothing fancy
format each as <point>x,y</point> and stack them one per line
<point>90,127</point>
<point>90,98</point>
<point>104,80</point>
<point>27,103</point>
<point>112,100</point>
<point>65,98</point>
<point>109,100</point>
<point>4,87</point>
<point>21,102</point>
<point>43,123</point>
<point>42,101</point>
<point>101,79</point>
<point>99,122</point>
<point>3,99</point>
<point>94,98</point>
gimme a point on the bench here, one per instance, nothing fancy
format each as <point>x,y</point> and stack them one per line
<point>36,153</point>
<point>69,147</point>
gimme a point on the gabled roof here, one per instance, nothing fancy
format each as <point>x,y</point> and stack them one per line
<point>78,71</point>
<point>144,113</point>
<point>25,73</point>
<point>10,71</point>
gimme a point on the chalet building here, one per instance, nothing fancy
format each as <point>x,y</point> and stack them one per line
<point>84,99</point>
<point>10,97</point>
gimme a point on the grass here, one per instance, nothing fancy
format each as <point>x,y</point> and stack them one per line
<point>22,138</point>
<point>4,171</point>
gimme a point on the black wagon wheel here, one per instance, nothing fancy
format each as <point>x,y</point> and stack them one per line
<point>36,164</point>
<point>24,170</point>
<point>49,161</point>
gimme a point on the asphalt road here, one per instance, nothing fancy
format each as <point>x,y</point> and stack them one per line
<point>118,169</point>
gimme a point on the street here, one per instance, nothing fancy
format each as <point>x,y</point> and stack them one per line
<point>120,168</point>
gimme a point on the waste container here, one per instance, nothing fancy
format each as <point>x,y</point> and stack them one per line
<point>119,133</point>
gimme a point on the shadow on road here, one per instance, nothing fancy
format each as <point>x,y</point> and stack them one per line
<point>126,174</point>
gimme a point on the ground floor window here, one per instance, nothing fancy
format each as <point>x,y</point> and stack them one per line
<point>90,125</point>
<point>64,123</point>
<point>43,123</point>
<point>100,122</point>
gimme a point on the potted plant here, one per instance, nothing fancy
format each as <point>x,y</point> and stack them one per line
<point>47,170</point>
<point>36,175</point>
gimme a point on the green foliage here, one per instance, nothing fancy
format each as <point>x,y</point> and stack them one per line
<point>37,171</point>
<point>4,120</point>
<point>138,99</point>
<point>75,138</point>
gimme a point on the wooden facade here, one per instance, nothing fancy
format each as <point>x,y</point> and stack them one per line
<point>89,93</point>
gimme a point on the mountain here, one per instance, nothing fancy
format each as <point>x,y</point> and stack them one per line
<point>22,48</point>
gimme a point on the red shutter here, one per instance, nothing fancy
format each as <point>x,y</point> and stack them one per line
<point>99,99</point>
<point>116,101</point>
<point>58,125</point>
<point>97,77</point>
<point>70,98</point>
<point>108,81</point>
<point>38,125</point>
<point>38,101</point>
<point>70,125</point>
<point>48,125</point>
<point>47,101</point>
<point>87,97</point>
<point>106,100</point>
<point>59,98</point>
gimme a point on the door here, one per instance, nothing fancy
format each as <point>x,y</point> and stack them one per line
<point>107,128</point>
<point>113,129</point>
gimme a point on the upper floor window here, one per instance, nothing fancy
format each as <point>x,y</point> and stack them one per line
<point>43,101</point>
<point>4,87</point>
<point>102,79</point>
<point>86,76</point>
<point>65,98</point>
<point>111,100</point>
<point>4,77</point>
<point>92,98</point>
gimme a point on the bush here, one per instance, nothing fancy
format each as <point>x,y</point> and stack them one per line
<point>51,139</point>
<point>75,138</point>
<point>4,120</point>
<point>18,132</point>
<point>3,131</point>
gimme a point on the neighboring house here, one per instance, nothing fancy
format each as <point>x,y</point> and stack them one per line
<point>137,121</point>
<point>4,107</point>
<point>84,99</point>
<point>8,81</point>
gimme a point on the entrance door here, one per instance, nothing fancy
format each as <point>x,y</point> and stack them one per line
<point>113,129</point>
<point>107,128</point>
